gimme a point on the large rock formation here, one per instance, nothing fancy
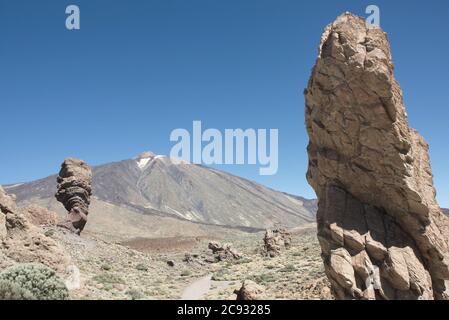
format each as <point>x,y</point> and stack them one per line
<point>381,231</point>
<point>74,191</point>
<point>21,241</point>
<point>275,241</point>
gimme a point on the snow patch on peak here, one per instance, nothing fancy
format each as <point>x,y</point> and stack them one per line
<point>145,158</point>
<point>146,154</point>
<point>141,163</point>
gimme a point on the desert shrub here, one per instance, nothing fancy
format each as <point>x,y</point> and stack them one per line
<point>106,267</point>
<point>288,268</point>
<point>243,261</point>
<point>186,273</point>
<point>49,233</point>
<point>33,281</point>
<point>263,278</point>
<point>135,294</point>
<point>108,278</point>
<point>220,275</point>
<point>141,267</point>
<point>11,291</point>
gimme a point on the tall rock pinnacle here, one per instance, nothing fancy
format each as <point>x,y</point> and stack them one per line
<point>74,191</point>
<point>381,231</point>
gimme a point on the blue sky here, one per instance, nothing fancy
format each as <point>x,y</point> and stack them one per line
<point>139,69</point>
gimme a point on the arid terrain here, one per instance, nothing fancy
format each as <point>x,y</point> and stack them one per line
<point>156,268</point>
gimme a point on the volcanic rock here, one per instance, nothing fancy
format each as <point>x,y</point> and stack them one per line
<point>381,231</point>
<point>224,252</point>
<point>73,191</point>
<point>39,216</point>
<point>21,241</point>
<point>250,291</point>
<point>276,240</point>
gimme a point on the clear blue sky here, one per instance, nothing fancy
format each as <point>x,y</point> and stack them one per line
<point>139,69</point>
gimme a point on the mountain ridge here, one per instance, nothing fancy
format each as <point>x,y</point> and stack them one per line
<point>154,185</point>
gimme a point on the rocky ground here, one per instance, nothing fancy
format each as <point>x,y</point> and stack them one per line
<point>116,271</point>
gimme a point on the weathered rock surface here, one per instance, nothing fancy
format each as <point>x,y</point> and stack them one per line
<point>73,191</point>
<point>21,241</point>
<point>223,252</point>
<point>381,231</point>
<point>250,291</point>
<point>275,241</point>
<point>39,216</point>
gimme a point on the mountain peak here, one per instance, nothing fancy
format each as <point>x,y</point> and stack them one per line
<point>145,155</point>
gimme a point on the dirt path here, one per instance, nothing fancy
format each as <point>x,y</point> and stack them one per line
<point>199,288</point>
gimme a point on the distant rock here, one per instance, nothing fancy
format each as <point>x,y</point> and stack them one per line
<point>445,211</point>
<point>381,231</point>
<point>170,263</point>
<point>224,252</point>
<point>276,240</point>
<point>74,191</point>
<point>251,291</point>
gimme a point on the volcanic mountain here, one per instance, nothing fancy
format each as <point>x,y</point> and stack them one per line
<point>151,192</point>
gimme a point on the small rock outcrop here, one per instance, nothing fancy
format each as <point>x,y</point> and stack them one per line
<point>275,241</point>
<point>381,231</point>
<point>73,191</point>
<point>224,252</point>
<point>251,291</point>
<point>21,241</point>
<point>40,216</point>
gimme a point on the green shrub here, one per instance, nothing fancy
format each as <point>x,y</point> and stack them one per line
<point>243,261</point>
<point>108,278</point>
<point>49,233</point>
<point>11,291</point>
<point>32,281</point>
<point>288,268</point>
<point>135,294</point>
<point>141,267</point>
<point>263,278</point>
<point>106,267</point>
<point>186,273</point>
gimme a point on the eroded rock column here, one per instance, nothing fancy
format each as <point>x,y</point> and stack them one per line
<point>381,231</point>
<point>73,191</point>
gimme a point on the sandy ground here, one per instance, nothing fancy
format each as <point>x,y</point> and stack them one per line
<point>205,285</point>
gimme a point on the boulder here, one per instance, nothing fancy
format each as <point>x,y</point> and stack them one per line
<point>250,291</point>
